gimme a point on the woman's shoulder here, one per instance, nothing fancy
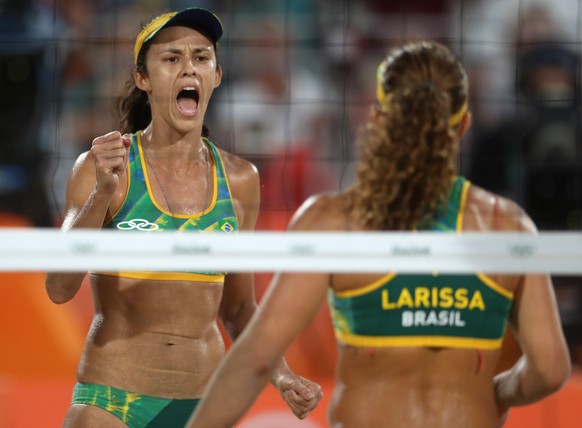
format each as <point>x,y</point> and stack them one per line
<point>83,168</point>
<point>235,164</point>
<point>496,212</point>
<point>238,170</point>
<point>322,212</point>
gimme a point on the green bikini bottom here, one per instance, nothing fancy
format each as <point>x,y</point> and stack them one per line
<point>136,410</point>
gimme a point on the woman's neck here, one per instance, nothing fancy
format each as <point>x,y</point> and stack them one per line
<point>174,148</point>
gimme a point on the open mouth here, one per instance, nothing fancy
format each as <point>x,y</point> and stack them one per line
<point>188,101</point>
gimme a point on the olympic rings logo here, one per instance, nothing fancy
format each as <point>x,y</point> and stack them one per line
<point>137,224</point>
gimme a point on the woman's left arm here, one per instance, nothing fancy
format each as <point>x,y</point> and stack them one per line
<point>238,303</point>
<point>290,304</point>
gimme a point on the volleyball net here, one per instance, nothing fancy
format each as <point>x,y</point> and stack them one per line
<point>298,80</point>
<point>420,252</point>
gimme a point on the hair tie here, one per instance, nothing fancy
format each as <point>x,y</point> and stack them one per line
<point>429,84</point>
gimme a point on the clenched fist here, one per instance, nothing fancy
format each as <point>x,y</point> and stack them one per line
<point>300,394</point>
<point>110,152</point>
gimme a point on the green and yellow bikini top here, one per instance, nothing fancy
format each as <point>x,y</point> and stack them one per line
<point>409,310</point>
<point>140,212</point>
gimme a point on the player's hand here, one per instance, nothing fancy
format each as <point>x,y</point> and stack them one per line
<point>300,394</point>
<point>110,153</point>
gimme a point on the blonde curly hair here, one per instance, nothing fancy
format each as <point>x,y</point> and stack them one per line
<point>409,146</point>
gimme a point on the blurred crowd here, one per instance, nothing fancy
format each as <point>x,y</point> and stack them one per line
<point>296,85</point>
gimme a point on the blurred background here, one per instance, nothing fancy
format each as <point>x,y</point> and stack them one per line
<point>298,81</point>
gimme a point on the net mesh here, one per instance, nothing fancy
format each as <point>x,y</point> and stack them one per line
<point>298,82</point>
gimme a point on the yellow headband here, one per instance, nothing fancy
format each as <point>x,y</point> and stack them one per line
<point>194,17</point>
<point>380,94</point>
<point>149,31</point>
<point>454,120</point>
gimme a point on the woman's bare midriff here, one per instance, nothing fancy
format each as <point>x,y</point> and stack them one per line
<point>157,338</point>
<point>420,387</point>
<point>414,387</point>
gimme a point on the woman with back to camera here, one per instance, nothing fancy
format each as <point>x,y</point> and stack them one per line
<point>414,350</point>
<point>154,340</point>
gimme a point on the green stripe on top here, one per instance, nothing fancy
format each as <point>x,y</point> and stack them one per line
<point>446,216</point>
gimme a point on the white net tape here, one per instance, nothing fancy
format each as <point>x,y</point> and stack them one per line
<point>45,250</point>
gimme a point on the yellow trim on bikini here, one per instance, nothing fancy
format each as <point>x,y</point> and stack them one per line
<point>360,291</point>
<point>168,276</point>
<point>151,193</point>
<point>419,341</point>
<point>463,205</point>
<point>494,286</point>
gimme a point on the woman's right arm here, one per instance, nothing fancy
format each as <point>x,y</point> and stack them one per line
<point>545,363</point>
<point>90,188</point>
